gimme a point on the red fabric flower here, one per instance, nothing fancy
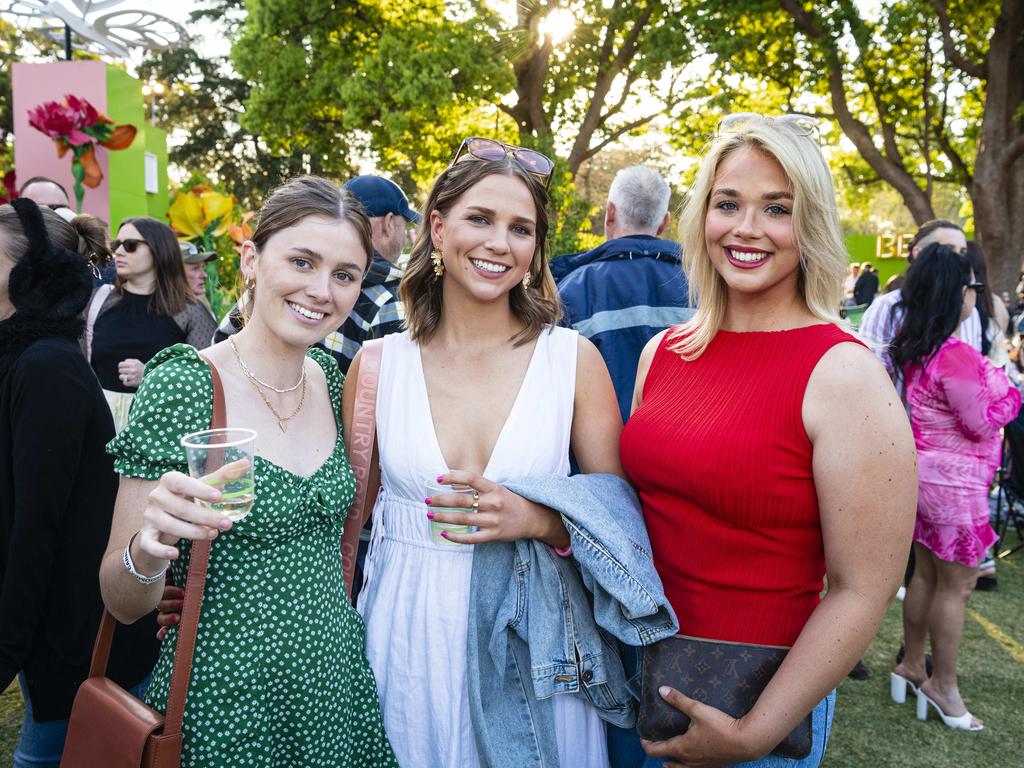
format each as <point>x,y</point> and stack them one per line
<point>62,121</point>
<point>76,124</point>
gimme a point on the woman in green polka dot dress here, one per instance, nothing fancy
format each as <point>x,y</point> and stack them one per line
<point>279,676</point>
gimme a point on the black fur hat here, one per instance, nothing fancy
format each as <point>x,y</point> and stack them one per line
<point>49,281</point>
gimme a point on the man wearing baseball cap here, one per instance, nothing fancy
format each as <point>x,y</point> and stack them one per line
<point>378,310</point>
<point>195,262</point>
<point>390,215</point>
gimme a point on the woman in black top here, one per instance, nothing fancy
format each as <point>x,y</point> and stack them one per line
<point>57,484</point>
<point>149,307</point>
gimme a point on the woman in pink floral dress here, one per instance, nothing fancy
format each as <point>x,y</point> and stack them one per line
<point>958,403</point>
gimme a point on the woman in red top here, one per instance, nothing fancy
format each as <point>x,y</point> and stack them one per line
<point>768,446</point>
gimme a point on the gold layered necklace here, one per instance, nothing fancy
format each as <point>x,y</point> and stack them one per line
<point>259,385</point>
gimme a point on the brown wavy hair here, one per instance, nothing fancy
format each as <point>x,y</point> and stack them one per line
<point>421,291</point>
<point>172,293</point>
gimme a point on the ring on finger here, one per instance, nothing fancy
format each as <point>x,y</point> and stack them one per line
<point>476,506</point>
<point>476,495</point>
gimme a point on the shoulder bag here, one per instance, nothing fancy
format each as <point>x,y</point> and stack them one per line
<point>110,728</point>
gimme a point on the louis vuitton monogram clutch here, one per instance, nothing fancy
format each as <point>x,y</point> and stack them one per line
<point>727,676</point>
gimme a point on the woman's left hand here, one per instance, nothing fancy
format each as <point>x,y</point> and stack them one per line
<point>130,372</point>
<point>713,739</point>
<point>499,514</point>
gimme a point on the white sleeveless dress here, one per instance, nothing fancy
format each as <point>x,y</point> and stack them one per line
<point>415,599</point>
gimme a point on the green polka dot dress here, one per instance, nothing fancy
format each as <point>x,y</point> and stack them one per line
<point>279,678</point>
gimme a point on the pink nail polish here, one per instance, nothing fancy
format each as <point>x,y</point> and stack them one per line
<point>444,534</point>
<point>440,478</point>
<point>430,515</point>
<point>426,500</point>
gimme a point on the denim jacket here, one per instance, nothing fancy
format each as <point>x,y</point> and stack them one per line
<point>541,624</point>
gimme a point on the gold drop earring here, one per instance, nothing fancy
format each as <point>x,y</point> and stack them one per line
<point>438,259</point>
<point>527,279</point>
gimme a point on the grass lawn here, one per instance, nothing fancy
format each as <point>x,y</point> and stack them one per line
<point>870,731</point>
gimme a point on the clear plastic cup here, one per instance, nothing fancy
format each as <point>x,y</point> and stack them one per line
<point>223,458</point>
<point>436,489</point>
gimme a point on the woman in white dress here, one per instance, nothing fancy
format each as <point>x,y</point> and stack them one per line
<point>481,388</point>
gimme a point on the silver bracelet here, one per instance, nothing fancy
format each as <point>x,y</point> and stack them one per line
<point>130,566</point>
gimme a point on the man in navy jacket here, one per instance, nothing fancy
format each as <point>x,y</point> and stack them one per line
<point>631,287</point>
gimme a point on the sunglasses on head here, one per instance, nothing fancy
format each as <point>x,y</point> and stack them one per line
<point>530,160</point>
<point>129,243</point>
<point>801,125</point>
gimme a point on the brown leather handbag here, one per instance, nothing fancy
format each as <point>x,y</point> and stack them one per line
<point>110,728</point>
<point>726,676</point>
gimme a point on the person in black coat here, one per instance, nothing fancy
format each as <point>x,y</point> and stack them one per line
<point>57,484</point>
<point>866,287</point>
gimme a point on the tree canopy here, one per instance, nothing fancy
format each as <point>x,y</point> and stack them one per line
<point>919,100</point>
<point>927,93</point>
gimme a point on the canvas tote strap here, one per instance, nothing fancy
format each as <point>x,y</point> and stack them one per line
<point>95,306</point>
<point>359,443</point>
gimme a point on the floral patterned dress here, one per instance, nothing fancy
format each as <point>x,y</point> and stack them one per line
<point>279,675</point>
<point>958,403</point>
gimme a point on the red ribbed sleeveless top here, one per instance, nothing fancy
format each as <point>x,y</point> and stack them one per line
<point>719,455</point>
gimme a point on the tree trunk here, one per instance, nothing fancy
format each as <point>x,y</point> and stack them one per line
<point>531,72</point>
<point>997,190</point>
<point>889,165</point>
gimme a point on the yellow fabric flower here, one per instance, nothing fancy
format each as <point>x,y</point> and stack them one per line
<point>193,211</point>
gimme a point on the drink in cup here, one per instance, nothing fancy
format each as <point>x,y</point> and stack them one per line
<point>223,458</point>
<point>436,526</point>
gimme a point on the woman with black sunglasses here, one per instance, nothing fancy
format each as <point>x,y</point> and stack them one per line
<point>958,402</point>
<point>149,307</point>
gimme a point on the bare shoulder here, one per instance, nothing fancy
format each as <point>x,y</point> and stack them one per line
<point>588,357</point>
<point>850,388</point>
<point>592,377</point>
<point>650,348</point>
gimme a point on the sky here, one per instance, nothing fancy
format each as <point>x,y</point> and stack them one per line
<point>213,43</point>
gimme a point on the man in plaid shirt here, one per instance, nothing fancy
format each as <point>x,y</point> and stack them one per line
<point>378,310</point>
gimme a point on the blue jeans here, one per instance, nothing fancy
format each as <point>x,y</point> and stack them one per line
<point>42,744</point>
<point>821,727</point>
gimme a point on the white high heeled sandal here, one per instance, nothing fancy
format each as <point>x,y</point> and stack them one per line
<point>898,687</point>
<point>964,722</point>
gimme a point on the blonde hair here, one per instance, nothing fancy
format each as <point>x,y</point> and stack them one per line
<point>823,258</point>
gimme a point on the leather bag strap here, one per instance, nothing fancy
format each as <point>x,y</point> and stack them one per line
<point>198,561</point>
<point>359,444</point>
<point>189,626</point>
<point>101,650</point>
